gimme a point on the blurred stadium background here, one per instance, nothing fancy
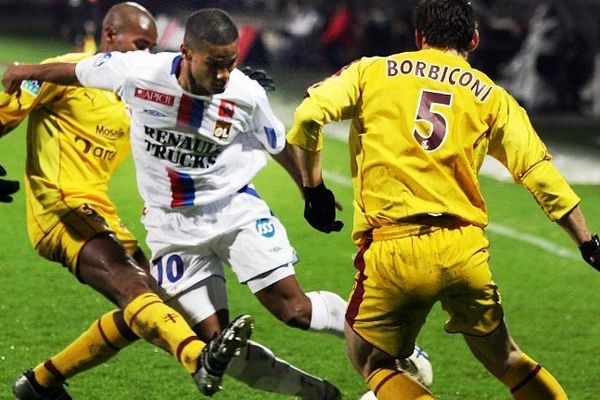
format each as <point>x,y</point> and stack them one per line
<point>545,52</point>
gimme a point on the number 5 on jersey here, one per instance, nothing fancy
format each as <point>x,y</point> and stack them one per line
<point>431,121</point>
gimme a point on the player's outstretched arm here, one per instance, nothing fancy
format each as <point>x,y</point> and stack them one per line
<point>589,245</point>
<point>7,188</point>
<point>58,73</point>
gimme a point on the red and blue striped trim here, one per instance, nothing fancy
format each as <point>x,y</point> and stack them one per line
<point>190,113</point>
<point>183,191</point>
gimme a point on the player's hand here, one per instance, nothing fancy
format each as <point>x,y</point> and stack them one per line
<point>590,251</point>
<point>12,78</point>
<point>319,209</point>
<point>7,188</point>
<point>261,76</point>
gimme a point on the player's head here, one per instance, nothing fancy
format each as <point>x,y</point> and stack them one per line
<point>127,27</point>
<point>210,50</point>
<point>446,25</point>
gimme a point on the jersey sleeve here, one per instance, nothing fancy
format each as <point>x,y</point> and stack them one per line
<point>105,71</point>
<point>14,108</point>
<point>517,146</point>
<point>333,99</point>
<point>269,130</point>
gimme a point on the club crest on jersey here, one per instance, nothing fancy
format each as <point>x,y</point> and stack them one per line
<point>102,59</point>
<point>222,129</point>
<point>226,109</point>
<point>156,97</point>
<point>265,227</point>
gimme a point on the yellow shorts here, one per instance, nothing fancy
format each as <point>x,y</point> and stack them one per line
<point>63,242</point>
<point>404,270</point>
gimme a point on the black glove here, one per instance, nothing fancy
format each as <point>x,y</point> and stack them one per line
<point>590,251</point>
<point>319,209</point>
<point>7,188</point>
<point>261,76</point>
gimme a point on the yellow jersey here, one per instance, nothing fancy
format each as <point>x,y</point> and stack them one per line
<point>76,137</point>
<point>422,123</point>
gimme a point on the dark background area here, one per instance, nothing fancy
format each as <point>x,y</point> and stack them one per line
<point>544,52</point>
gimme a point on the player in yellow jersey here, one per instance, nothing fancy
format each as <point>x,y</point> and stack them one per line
<point>76,138</point>
<point>422,123</point>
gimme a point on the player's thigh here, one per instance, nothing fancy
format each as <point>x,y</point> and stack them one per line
<point>470,296</point>
<point>258,245</point>
<point>125,237</point>
<point>64,241</point>
<point>496,350</point>
<point>393,292</point>
<point>363,356</point>
<point>201,301</point>
<point>178,267</point>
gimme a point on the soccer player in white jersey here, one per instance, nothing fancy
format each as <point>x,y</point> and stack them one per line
<point>199,129</point>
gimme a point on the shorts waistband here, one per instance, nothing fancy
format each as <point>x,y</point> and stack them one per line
<point>414,226</point>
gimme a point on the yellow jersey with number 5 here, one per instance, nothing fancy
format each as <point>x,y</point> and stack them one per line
<point>422,123</point>
<point>76,137</point>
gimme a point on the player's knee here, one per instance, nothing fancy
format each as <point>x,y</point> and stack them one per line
<point>294,313</point>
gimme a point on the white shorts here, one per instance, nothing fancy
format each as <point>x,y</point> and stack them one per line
<point>190,244</point>
<point>209,296</point>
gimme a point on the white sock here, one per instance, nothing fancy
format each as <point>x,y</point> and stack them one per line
<point>258,368</point>
<point>328,311</point>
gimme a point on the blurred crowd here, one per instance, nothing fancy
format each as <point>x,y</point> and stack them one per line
<point>545,52</point>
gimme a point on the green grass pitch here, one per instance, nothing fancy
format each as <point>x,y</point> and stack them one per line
<point>551,301</point>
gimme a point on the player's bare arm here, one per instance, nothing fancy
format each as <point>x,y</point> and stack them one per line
<point>574,224</point>
<point>310,165</point>
<point>589,245</point>
<point>58,73</point>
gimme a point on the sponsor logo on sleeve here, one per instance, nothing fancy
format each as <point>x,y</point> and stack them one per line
<point>156,97</point>
<point>102,58</point>
<point>265,227</point>
<point>226,109</point>
<point>222,129</point>
<point>32,87</point>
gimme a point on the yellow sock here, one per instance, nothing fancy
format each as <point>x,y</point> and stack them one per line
<point>528,380</point>
<point>101,341</point>
<point>391,384</point>
<point>150,318</point>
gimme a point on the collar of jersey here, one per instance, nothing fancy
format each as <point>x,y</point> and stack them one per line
<point>175,65</point>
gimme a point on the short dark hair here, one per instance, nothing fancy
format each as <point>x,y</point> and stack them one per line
<point>446,24</point>
<point>211,25</point>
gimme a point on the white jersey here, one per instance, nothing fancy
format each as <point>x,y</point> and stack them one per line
<point>188,149</point>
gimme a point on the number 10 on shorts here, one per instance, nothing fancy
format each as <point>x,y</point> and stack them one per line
<point>170,269</point>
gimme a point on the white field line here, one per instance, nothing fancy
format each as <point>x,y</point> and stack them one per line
<point>502,230</point>
<point>536,241</point>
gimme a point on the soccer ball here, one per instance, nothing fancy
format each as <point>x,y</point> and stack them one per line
<point>418,366</point>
